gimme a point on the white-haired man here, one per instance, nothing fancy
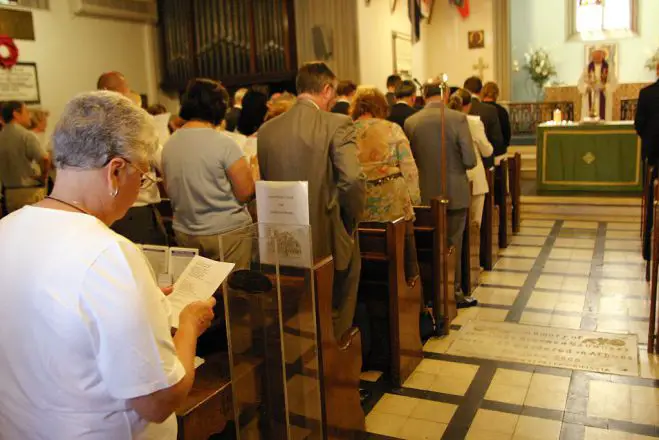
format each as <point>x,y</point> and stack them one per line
<point>596,85</point>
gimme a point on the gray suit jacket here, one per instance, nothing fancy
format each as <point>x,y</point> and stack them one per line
<point>424,132</point>
<point>307,144</point>
<point>490,118</point>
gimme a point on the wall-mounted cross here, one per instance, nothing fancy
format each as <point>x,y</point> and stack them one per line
<point>481,67</point>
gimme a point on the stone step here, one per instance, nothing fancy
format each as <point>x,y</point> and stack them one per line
<point>592,208</point>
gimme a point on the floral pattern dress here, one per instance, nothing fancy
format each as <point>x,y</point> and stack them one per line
<point>392,187</point>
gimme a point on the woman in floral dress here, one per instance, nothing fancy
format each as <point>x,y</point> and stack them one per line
<point>391,172</point>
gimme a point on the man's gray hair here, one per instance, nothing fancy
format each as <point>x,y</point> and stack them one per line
<point>96,127</point>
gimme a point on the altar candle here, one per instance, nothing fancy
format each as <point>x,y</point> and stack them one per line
<point>558,116</point>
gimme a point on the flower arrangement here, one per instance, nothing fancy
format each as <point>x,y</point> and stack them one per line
<point>539,66</point>
<point>651,63</point>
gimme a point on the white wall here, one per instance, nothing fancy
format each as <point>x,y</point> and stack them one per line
<point>539,23</point>
<point>71,52</point>
<point>376,25</point>
<point>447,45</point>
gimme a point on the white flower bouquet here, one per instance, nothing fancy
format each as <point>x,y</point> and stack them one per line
<point>539,66</point>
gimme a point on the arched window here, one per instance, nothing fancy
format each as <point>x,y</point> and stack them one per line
<point>598,19</point>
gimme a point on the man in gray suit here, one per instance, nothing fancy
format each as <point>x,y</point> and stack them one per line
<point>488,115</point>
<point>308,143</point>
<point>424,132</point>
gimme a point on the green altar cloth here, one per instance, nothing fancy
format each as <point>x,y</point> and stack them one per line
<point>589,157</point>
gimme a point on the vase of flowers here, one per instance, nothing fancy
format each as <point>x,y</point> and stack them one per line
<point>651,63</point>
<point>540,68</point>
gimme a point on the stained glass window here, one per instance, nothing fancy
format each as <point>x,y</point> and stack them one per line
<point>604,15</point>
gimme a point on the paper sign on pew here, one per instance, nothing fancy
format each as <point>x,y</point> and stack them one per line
<point>198,282</point>
<point>283,213</point>
<point>168,263</point>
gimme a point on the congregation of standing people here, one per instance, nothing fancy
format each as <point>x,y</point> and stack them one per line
<point>367,155</point>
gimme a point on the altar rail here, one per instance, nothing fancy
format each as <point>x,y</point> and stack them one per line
<point>526,116</point>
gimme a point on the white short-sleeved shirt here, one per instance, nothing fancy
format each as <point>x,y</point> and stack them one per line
<point>80,334</point>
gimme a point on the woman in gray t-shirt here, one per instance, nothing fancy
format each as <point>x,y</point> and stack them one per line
<point>207,178</point>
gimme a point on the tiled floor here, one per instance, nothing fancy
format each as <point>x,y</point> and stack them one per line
<point>566,274</point>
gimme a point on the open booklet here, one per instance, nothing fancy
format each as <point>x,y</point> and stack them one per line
<point>195,278</point>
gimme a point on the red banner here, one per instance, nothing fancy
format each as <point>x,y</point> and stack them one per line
<point>462,6</point>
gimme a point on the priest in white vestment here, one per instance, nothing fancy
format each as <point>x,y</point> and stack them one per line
<point>597,84</point>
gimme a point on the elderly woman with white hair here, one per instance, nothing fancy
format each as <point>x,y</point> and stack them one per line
<point>86,349</point>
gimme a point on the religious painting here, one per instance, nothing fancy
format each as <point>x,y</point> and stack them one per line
<point>476,39</point>
<point>610,54</point>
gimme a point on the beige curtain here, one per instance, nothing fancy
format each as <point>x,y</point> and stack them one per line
<point>502,61</point>
<point>338,19</point>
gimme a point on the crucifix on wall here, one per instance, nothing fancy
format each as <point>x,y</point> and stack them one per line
<point>481,67</point>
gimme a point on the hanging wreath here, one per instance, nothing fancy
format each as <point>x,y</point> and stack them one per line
<point>9,56</point>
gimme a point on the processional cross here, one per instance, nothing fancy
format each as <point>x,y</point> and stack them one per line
<point>481,67</point>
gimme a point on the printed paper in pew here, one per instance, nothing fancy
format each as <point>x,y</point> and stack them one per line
<point>284,231</point>
<point>158,257</point>
<point>198,282</point>
<point>179,259</point>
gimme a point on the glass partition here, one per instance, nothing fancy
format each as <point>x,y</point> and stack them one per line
<point>271,329</point>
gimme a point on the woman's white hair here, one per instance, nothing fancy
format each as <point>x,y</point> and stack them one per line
<point>96,127</point>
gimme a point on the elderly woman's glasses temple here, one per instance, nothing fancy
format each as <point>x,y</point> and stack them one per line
<point>145,179</point>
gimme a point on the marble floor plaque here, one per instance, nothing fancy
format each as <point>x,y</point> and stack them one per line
<point>547,346</point>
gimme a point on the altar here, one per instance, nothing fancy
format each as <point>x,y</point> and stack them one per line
<point>603,157</point>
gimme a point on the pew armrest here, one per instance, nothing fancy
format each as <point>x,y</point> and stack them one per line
<point>348,338</point>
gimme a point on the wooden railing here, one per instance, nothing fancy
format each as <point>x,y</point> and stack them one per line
<point>526,116</point>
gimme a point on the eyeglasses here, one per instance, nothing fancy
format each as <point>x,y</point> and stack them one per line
<point>145,178</point>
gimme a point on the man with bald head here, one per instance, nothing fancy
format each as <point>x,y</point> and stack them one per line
<point>114,82</point>
<point>142,223</point>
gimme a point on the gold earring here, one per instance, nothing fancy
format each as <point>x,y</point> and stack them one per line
<point>114,192</point>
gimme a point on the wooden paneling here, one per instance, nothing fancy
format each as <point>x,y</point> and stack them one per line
<point>16,24</point>
<point>238,42</point>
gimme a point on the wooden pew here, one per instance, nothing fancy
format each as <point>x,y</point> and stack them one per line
<point>436,261</point>
<point>645,196</point>
<point>383,270</point>
<point>471,259</point>
<point>647,217</point>
<point>340,364</point>
<point>471,262</point>
<point>515,179</point>
<point>653,325</point>
<point>489,253</point>
<point>503,200</point>
<point>208,407</point>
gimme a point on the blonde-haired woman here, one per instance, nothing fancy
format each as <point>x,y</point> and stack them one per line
<point>461,101</point>
<point>392,187</point>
